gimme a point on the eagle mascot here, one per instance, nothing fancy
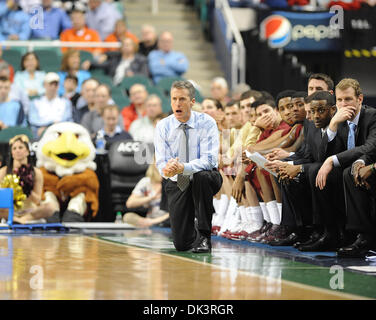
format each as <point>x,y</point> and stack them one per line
<point>65,155</point>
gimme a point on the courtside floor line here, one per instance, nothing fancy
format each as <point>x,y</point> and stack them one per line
<point>337,294</point>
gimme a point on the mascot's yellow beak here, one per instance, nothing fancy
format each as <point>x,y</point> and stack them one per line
<point>66,150</point>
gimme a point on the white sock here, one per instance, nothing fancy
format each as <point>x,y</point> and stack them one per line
<point>265,212</point>
<point>257,217</point>
<point>248,211</point>
<point>279,205</point>
<point>273,212</point>
<point>215,204</point>
<point>223,205</point>
<point>227,218</point>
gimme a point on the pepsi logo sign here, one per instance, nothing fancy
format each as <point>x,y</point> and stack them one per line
<point>277,30</point>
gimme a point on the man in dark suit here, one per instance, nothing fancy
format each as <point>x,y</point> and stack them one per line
<point>352,131</point>
<point>296,195</point>
<point>360,195</point>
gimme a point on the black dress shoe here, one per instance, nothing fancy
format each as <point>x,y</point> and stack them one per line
<point>312,239</point>
<point>71,216</point>
<point>203,246</point>
<point>326,243</point>
<point>55,218</point>
<point>288,241</point>
<point>357,250</point>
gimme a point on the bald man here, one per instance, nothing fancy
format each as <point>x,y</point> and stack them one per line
<point>165,62</point>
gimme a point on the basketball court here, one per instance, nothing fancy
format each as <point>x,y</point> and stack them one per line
<point>142,264</point>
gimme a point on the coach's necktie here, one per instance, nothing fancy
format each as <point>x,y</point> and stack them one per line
<point>351,136</point>
<point>183,180</point>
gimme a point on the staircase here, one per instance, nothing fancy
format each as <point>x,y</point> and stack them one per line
<point>182,21</point>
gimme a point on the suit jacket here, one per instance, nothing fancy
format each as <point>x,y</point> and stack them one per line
<point>301,150</point>
<point>365,139</point>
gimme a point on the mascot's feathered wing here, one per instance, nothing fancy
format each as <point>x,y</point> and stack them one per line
<point>65,155</point>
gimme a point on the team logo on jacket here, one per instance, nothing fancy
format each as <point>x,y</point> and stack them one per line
<point>277,30</point>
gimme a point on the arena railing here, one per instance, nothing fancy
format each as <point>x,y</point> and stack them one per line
<point>31,44</point>
<point>238,53</point>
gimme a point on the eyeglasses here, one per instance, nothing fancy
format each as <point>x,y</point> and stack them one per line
<point>22,137</point>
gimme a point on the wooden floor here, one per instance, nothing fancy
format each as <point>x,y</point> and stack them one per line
<point>77,266</point>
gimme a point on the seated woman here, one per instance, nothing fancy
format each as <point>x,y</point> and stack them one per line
<point>146,194</point>
<point>123,63</point>
<point>71,64</point>
<point>30,78</point>
<point>31,181</point>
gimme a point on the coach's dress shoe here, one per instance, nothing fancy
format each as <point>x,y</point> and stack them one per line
<point>358,249</point>
<point>287,241</point>
<point>327,242</point>
<point>312,239</point>
<point>203,246</point>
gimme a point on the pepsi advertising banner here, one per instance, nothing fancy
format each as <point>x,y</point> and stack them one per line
<point>299,31</point>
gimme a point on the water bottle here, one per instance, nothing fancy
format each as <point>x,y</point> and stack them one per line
<point>100,143</point>
<point>119,217</point>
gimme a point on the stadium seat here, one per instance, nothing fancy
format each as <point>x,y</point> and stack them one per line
<point>86,55</point>
<point>49,59</point>
<point>8,133</point>
<point>119,96</point>
<point>165,84</point>
<point>121,101</point>
<point>102,78</point>
<point>130,81</point>
<point>125,171</point>
<point>166,106</point>
<point>13,56</point>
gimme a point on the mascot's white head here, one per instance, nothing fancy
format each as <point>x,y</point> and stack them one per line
<point>66,149</point>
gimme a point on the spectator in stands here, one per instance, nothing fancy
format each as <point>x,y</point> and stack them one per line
<point>165,62</point>
<point>27,5</point>
<point>213,108</point>
<point>16,93</point>
<point>219,90</point>
<point>92,120</point>
<point>121,32</point>
<point>14,23</point>
<point>30,78</point>
<point>124,63</point>
<point>70,90</point>
<point>10,67</point>
<point>86,101</point>
<point>138,95</point>
<point>79,32</point>
<point>55,21</point>
<point>142,129</point>
<point>11,111</point>
<point>239,89</point>
<point>149,40</point>
<point>102,17</point>
<point>70,64</point>
<point>111,131</point>
<point>50,108</point>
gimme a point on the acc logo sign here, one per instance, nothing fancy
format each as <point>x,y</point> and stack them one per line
<point>277,30</point>
<point>129,147</point>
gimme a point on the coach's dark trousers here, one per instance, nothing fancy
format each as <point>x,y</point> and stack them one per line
<point>360,204</point>
<point>195,201</point>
